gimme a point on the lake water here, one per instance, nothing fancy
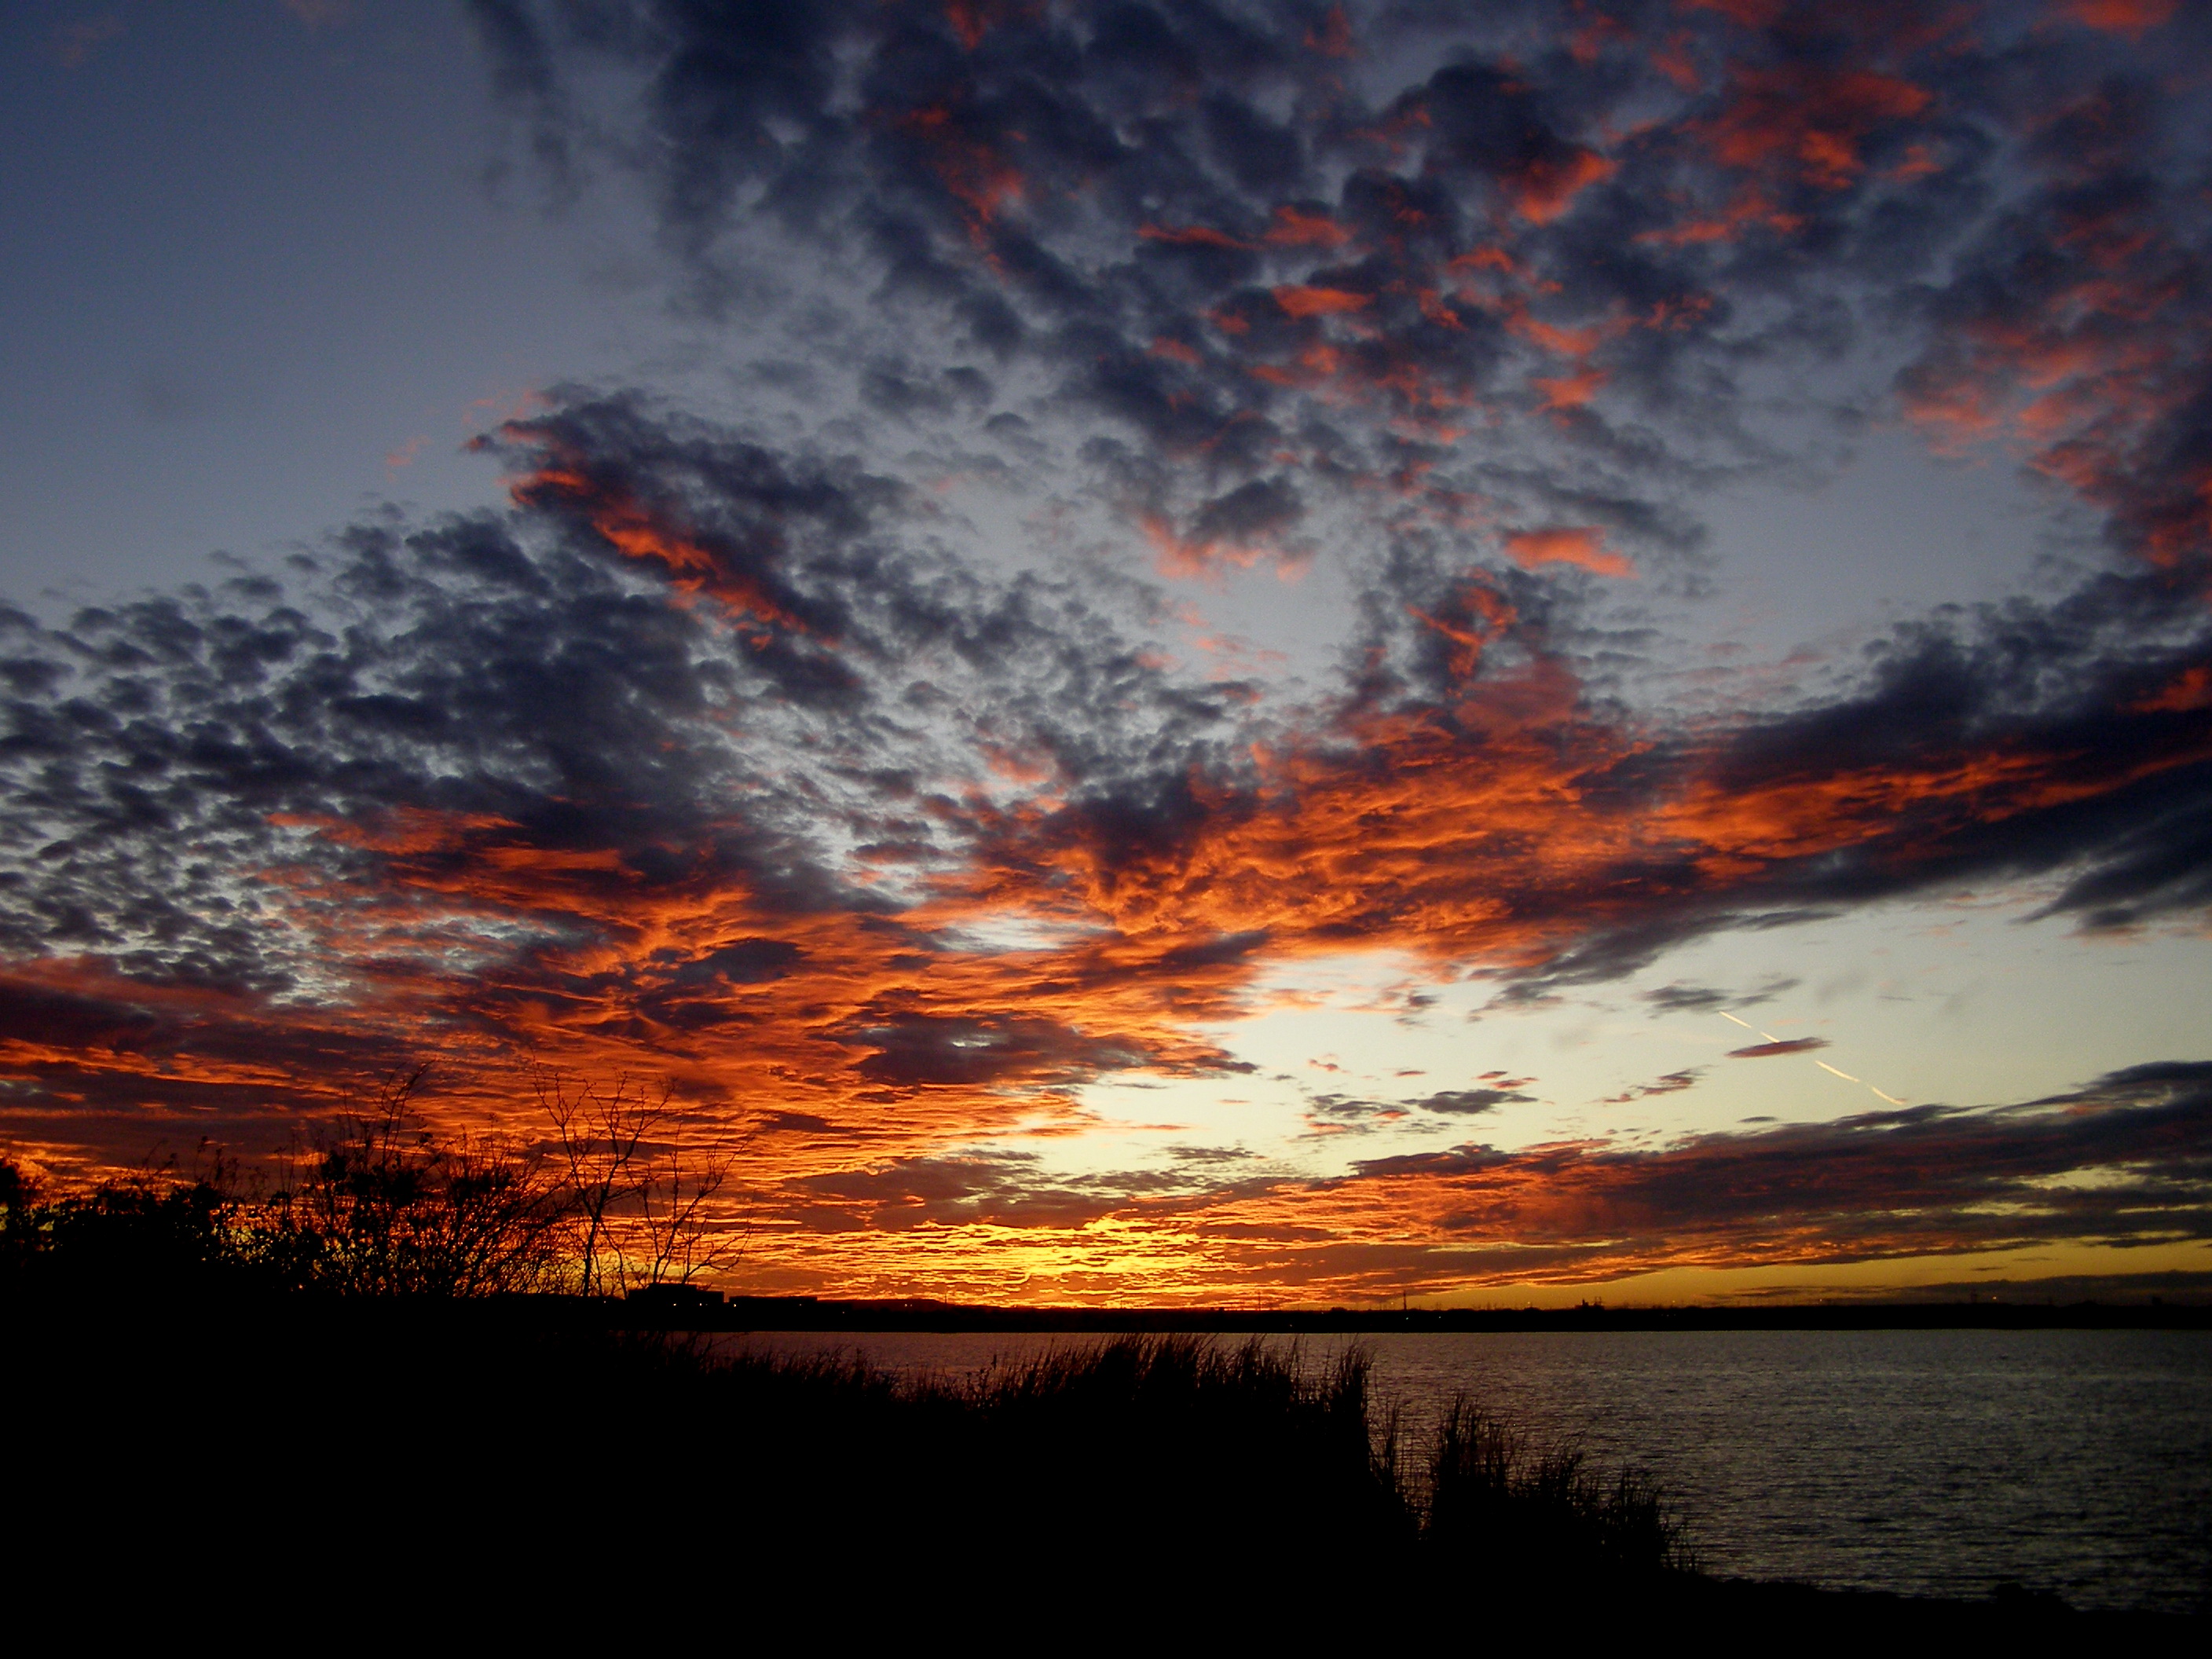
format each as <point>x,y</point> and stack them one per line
<point>1928,1462</point>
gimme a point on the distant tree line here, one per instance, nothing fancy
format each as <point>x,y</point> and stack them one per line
<point>609,1200</point>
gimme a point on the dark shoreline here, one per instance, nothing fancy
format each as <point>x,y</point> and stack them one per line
<point>458,1432</point>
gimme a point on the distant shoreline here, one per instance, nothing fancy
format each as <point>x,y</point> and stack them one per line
<point>740,1313</point>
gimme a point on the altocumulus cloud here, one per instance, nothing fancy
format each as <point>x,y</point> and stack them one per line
<point>722,751</point>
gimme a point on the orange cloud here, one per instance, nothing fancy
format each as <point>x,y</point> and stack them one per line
<point>1333,38</point>
<point>971,19</point>
<point>1292,228</point>
<point>1563,392</point>
<point>2080,371</point>
<point>1192,235</point>
<point>2186,693</point>
<point>2132,18</point>
<point>1545,188</point>
<point>1321,301</point>
<point>639,533</point>
<point>1202,557</point>
<point>1749,208</point>
<point>971,169</point>
<point>1809,120</point>
<point>1581,545</point>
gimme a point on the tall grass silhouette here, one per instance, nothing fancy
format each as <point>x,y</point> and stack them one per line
<point>1248,1457</point>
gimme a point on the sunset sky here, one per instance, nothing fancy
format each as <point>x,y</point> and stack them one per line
<point>1242,652</point>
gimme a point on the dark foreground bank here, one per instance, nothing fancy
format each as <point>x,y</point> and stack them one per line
<point>442,1450</point>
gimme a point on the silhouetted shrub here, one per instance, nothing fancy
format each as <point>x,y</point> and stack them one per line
<point>390,1208</point>
<point>386,1206</point>
<point>137,1235</point>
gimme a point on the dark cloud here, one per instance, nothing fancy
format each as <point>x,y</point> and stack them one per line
<point>1348,1109</point>
<point>1671,1084</point>
<point>1352,1109</point>
<point>1205,1155</point>
<point>2127,1161</point>
<point>1787,1046</point>
<point>1467,1102</point>
<point>1219,242</point>
<point>1678,998</point>
<point>997,1189</point>
<point>1689,999</point>
<point>927,1049</point>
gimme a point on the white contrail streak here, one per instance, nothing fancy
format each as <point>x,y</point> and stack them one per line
<point>1822,1064</point>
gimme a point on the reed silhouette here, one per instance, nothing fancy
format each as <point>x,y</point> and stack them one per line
<point>1149,1471</point>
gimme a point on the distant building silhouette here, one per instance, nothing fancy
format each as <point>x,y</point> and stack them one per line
<point>674,1298</point>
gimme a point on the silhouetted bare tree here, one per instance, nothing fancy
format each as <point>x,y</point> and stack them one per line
<point>672,1201</point>
<point>601,1135</point>
<point>638,1201</point>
